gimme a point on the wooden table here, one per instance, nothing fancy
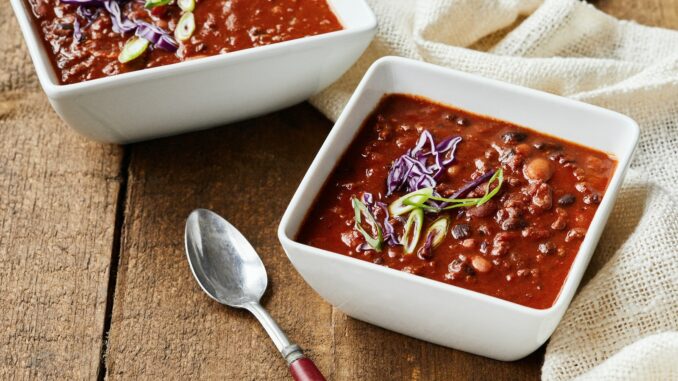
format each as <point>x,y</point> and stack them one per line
<point>93,278</point>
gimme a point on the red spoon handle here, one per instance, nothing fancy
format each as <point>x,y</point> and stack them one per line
<point>305,370</point>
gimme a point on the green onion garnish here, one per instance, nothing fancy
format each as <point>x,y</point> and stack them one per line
<point>413,230</point>
<point>417,199</point>
<point>156,3</point>
<point>186,5</point>
<point>497,177</point>
<point>376,240</point>
<point>134,47</point>
<point>185,27</point>
<point>439,229</point>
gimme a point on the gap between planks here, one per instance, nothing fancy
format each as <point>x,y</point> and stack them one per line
<point>116,248</point>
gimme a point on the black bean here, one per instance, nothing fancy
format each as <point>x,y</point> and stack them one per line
<point>547,248</point>
<point>513,223</point>
<point>469,270</point>
<point>539,145</point>
<point>461,231</point>
<point>542,146</point>
<point>514,137</point>
<point>592,198</point>
<point>463,121</point>
<point>566,199</point>
<point>66,26</point>
<point>485,210</point>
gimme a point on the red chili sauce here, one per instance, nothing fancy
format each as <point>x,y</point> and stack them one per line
<point>518,246</point>
<point>221,26</point>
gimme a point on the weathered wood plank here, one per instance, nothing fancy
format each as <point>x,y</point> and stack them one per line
<point>163,325</point>
<point>660,13</point>
<point>58,195</point>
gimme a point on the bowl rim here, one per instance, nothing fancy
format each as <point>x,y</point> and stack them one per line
<point>579,264</point>
<point>47,74</point>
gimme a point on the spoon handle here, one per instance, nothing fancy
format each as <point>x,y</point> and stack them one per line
<point>304,369</point>
<point>301,367</point>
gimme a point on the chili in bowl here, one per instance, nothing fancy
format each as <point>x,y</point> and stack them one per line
<point>457,209</point>
<point>128,70</point>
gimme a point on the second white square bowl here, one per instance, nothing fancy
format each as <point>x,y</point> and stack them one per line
<point>427,309</point>
<point>205,92</point>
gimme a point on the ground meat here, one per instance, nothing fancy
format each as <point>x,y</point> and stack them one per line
<point>535,233</point>
<point>511,159</point>
<point>576,233</point>
<point>542,196</point>
<point>500,244</point>
<point>547,248</point>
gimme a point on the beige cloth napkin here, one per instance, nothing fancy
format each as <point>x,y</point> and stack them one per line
<point>623,322</point>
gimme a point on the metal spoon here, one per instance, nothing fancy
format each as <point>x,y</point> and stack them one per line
<point>229,270</point>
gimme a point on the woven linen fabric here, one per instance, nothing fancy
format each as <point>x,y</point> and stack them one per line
<point>623,323</point>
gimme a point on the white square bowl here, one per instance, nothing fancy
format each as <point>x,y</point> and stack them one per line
<point>204,92</point>
<point>421,307</point>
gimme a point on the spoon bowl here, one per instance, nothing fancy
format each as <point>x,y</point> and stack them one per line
<point>223,262</point>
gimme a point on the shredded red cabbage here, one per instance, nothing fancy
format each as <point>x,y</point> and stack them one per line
<point>77,31</point>
<point>157,36</point>
<point>426,251</point>
<point>121,24</point>
<point>87,13</point>
<point>389,234</point>
<point>422,165</point>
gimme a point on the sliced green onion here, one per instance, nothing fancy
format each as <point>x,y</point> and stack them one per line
<point>420,202</point>
<point>413,230</point>
<point>156,3</point>
<point>361,210</point>
<point>499,178</point>
<point>186,5</point>
<point>185,27</point>
<point>418,197</point>
<point>464,204</point>
<point>439,229</point>
<point>134,47</point>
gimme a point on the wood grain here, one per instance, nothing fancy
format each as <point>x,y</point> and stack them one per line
<point>160,315</point>
<point>58,200</point>
<point>164,327</point>
<point>58,196</point>
<point>660,13</point>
